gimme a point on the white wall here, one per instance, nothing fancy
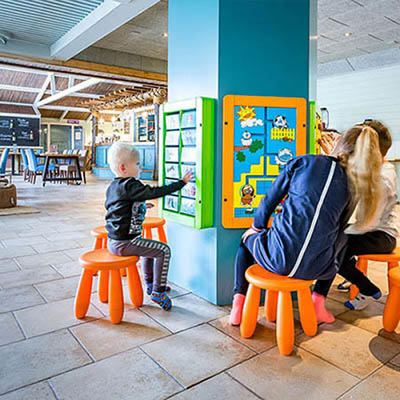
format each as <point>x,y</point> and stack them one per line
<point>353,97</point>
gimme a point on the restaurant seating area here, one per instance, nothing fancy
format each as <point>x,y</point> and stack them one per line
<point>68,166</point>
<point>190,353</point>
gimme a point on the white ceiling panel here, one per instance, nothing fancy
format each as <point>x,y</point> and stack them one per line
<point>334,68</point>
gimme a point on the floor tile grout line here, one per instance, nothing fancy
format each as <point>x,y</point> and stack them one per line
<point>40,294</point>
<point>48,378</point>
<point>243,385</point>
<point>237,340</point>
<point>81,344</point>
<point>53,331</point>
<point>162,368</point>
<point>52,388</point>
<point>362,380</point>
<point>20,326</point>
<point>327,361</point>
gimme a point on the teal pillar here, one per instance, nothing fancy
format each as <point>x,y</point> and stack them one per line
<point>216,48</point>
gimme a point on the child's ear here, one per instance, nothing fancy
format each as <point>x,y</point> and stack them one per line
<point>122,168</point>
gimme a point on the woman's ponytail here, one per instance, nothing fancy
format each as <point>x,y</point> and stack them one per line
<point>364,170</point>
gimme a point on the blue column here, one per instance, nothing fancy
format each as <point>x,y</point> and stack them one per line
<point>216,48</point>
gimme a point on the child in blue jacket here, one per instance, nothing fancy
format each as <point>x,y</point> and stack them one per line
<point>307,235</point>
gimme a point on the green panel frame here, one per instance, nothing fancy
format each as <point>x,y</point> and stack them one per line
<point>312,128</point>
<point>205,125</point>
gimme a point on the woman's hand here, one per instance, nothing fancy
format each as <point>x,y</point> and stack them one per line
<point>248,233</point>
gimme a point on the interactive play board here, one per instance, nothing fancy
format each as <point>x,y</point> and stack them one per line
<point>315,132</point>
<point>260,135</point>
<point>187,143</point>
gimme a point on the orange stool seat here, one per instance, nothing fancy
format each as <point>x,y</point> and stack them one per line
<point>278,306</point>
<point>391,259</point>
<point>110,285</point>
<point>391,313</point>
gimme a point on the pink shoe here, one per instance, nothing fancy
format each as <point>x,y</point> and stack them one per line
<point>323,315</point>
<point>237,308</point>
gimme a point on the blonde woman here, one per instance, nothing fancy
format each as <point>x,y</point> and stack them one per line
<point>374,185</point>
<point>306,237</point>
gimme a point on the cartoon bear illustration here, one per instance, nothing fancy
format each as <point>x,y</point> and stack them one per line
<point>247,195</point>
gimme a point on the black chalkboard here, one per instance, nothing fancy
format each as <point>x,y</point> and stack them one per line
<point>19,131</point>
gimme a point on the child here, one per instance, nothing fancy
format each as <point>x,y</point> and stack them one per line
<point>126,209</point>
<point>306,236</point>
<point>378,237</point>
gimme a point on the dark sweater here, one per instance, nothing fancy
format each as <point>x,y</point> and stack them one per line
<point>126,208</point>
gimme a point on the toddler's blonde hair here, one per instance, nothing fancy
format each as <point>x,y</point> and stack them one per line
<point>120,153</point>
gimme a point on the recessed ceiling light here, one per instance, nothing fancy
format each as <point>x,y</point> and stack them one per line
<point>164,34</point>
<point>348,33</point>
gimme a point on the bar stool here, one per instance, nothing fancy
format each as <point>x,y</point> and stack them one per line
<point>109,265</point>
<point>278,306</point>
<point>391,313</point>
<point>392,261</point>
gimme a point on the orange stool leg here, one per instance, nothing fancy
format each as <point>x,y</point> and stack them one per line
<point>391,265</point>
<point>161,234</point>
<point>147,233</point>
<point>98,244</point>
<point>82,298</point>
<point>135,286</point>
<point>308,317</point>
<point>116,296</point>
<point>250,311</point>
<point>103,285</point>
<point>391,313</point>
<point>285,324</point>
<point>271,305</point>
<point>362,265</point>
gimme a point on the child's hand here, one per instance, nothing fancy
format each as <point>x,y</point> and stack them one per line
<point>149,205</point>
<point>248,233</point>
<point>327,143</point>
<point>187,177</point>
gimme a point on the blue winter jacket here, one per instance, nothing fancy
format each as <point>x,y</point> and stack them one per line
<point>306,236</point>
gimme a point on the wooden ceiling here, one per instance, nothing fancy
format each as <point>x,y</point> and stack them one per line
<point>21,90</point>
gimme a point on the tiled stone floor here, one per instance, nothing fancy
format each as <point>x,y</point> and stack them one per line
<point>188,353</point>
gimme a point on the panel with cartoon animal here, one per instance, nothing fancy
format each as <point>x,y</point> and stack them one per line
<point>264,139</point>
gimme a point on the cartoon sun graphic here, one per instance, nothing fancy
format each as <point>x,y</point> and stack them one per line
<point>245,113</point>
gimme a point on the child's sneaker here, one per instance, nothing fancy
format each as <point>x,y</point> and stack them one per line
<point>361,301</point>
<point>344,286</point>
<point>162,300</point>
<point>149,288</point>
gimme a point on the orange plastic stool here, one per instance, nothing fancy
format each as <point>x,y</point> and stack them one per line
<point>154,222</point>
<point>391,313</point>
<point>109,265</point>
<point>278,306</point>
<point>392,261</point>
<point>100,242</point>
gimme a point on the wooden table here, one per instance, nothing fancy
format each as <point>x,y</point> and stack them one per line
<point>55,156</point>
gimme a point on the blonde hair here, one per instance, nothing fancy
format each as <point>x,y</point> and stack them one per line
<point>359,153</point>
<point>120,153</point>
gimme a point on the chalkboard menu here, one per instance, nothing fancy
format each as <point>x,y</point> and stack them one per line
<point>19,131</point>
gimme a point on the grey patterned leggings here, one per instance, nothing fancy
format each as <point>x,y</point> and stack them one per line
<point>155,258</point>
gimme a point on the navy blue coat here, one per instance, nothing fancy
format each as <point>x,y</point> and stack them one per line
<point>308,234</point>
